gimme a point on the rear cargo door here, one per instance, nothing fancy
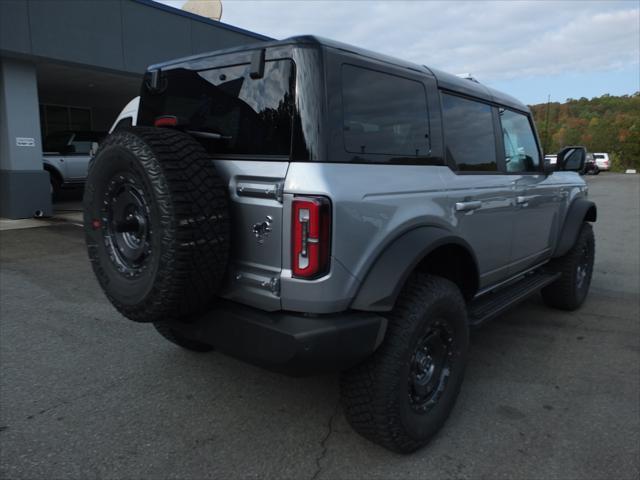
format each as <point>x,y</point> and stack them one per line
<point>255,189</point>
<point>241,111</point>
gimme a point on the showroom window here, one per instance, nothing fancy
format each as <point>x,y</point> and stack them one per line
<point>59,118</point>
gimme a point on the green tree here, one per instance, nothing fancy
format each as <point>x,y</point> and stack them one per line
<point>602,124</point>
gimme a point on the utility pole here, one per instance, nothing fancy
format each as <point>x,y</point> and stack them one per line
<point>546,126</point>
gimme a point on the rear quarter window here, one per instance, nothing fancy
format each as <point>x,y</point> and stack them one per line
<point>383,114</point>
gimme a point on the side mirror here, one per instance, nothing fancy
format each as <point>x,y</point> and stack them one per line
<point>572,159</point>
<point>547,167</point>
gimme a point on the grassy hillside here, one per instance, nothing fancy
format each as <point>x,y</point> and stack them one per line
<point>602,124</point>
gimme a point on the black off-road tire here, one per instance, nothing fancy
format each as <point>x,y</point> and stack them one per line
<point>569,292</point>
<point>173,336</point>
<point>181,224</point>
<point>377,394</point>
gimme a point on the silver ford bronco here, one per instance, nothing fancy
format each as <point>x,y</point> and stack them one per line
<point>309,206</point>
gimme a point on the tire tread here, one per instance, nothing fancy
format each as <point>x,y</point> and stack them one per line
<point>193,205</point>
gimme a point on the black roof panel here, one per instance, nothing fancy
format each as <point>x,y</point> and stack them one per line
<point>445,80</point>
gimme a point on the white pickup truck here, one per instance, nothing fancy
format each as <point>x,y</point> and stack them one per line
<point>66,157</point>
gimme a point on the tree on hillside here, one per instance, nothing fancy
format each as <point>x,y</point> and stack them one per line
<point>602,124</point>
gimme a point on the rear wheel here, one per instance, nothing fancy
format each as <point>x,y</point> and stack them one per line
<point>156,224</point>
<point>576,267</point>
<point>402,395</point>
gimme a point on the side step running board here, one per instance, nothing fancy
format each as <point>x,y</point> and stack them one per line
<point>494,303</point>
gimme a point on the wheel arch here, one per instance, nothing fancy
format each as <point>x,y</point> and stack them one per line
<point>580,211</point>
<point>53,171</point>
<point>426,249</point>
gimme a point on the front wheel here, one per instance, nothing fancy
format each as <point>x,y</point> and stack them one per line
<point>401,396</point>
<point>576,269</point>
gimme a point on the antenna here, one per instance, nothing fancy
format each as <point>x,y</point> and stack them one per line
<point>467,76</point>
<point>205,8</point>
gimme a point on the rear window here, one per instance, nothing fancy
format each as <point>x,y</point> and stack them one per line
<point>252,116</point>
<point>383,114</point>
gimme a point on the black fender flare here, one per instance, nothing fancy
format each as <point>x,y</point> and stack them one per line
<point>580,210</point>
<point>387,276</point>
<point>53,171</point>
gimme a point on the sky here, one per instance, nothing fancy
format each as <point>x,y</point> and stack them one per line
<point>529,49</point>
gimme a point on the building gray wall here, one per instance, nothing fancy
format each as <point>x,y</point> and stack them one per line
<point>121,35</point>
<point>24,185</point>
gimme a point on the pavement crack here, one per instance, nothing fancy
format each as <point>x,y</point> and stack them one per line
<point>68,401</point>
<point>325,440</point>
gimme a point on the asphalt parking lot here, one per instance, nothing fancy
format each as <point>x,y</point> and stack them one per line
<point>85,393</point>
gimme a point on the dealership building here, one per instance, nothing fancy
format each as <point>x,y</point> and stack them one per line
<point>72,65</point>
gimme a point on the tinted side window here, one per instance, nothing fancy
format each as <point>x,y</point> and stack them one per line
<point>468,134</point>
<point>383,114</point>
<point>83,141</point>
<point>81,147</point>
<point>57,142</point>
<point>520,148</point>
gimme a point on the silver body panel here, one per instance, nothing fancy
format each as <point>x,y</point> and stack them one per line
<point>256,198</point>
<point>513,223</point>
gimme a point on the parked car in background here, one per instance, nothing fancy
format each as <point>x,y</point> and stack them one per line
<point>590,165</point>
<point>602,161</point>
<point>553,159</point>
<point>66,157</point>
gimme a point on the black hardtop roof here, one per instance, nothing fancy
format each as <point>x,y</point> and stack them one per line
<point>445,80</point>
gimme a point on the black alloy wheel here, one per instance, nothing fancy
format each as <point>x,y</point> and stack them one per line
<point>127,224</point>
<point>431,367</point>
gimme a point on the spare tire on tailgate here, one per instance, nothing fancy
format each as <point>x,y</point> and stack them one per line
<point>156,219</point>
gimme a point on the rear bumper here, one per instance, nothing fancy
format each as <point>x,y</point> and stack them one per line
<point>291,343</point>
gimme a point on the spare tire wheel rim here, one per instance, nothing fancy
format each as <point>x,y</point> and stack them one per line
<point>126,224</point>
<point>430,367</point>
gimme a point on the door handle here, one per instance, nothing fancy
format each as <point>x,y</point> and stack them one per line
<point>468,206</point>
<point>523,199</point>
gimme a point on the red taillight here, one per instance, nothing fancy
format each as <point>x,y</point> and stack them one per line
<point>166,121</point>
<point>311,236</point>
